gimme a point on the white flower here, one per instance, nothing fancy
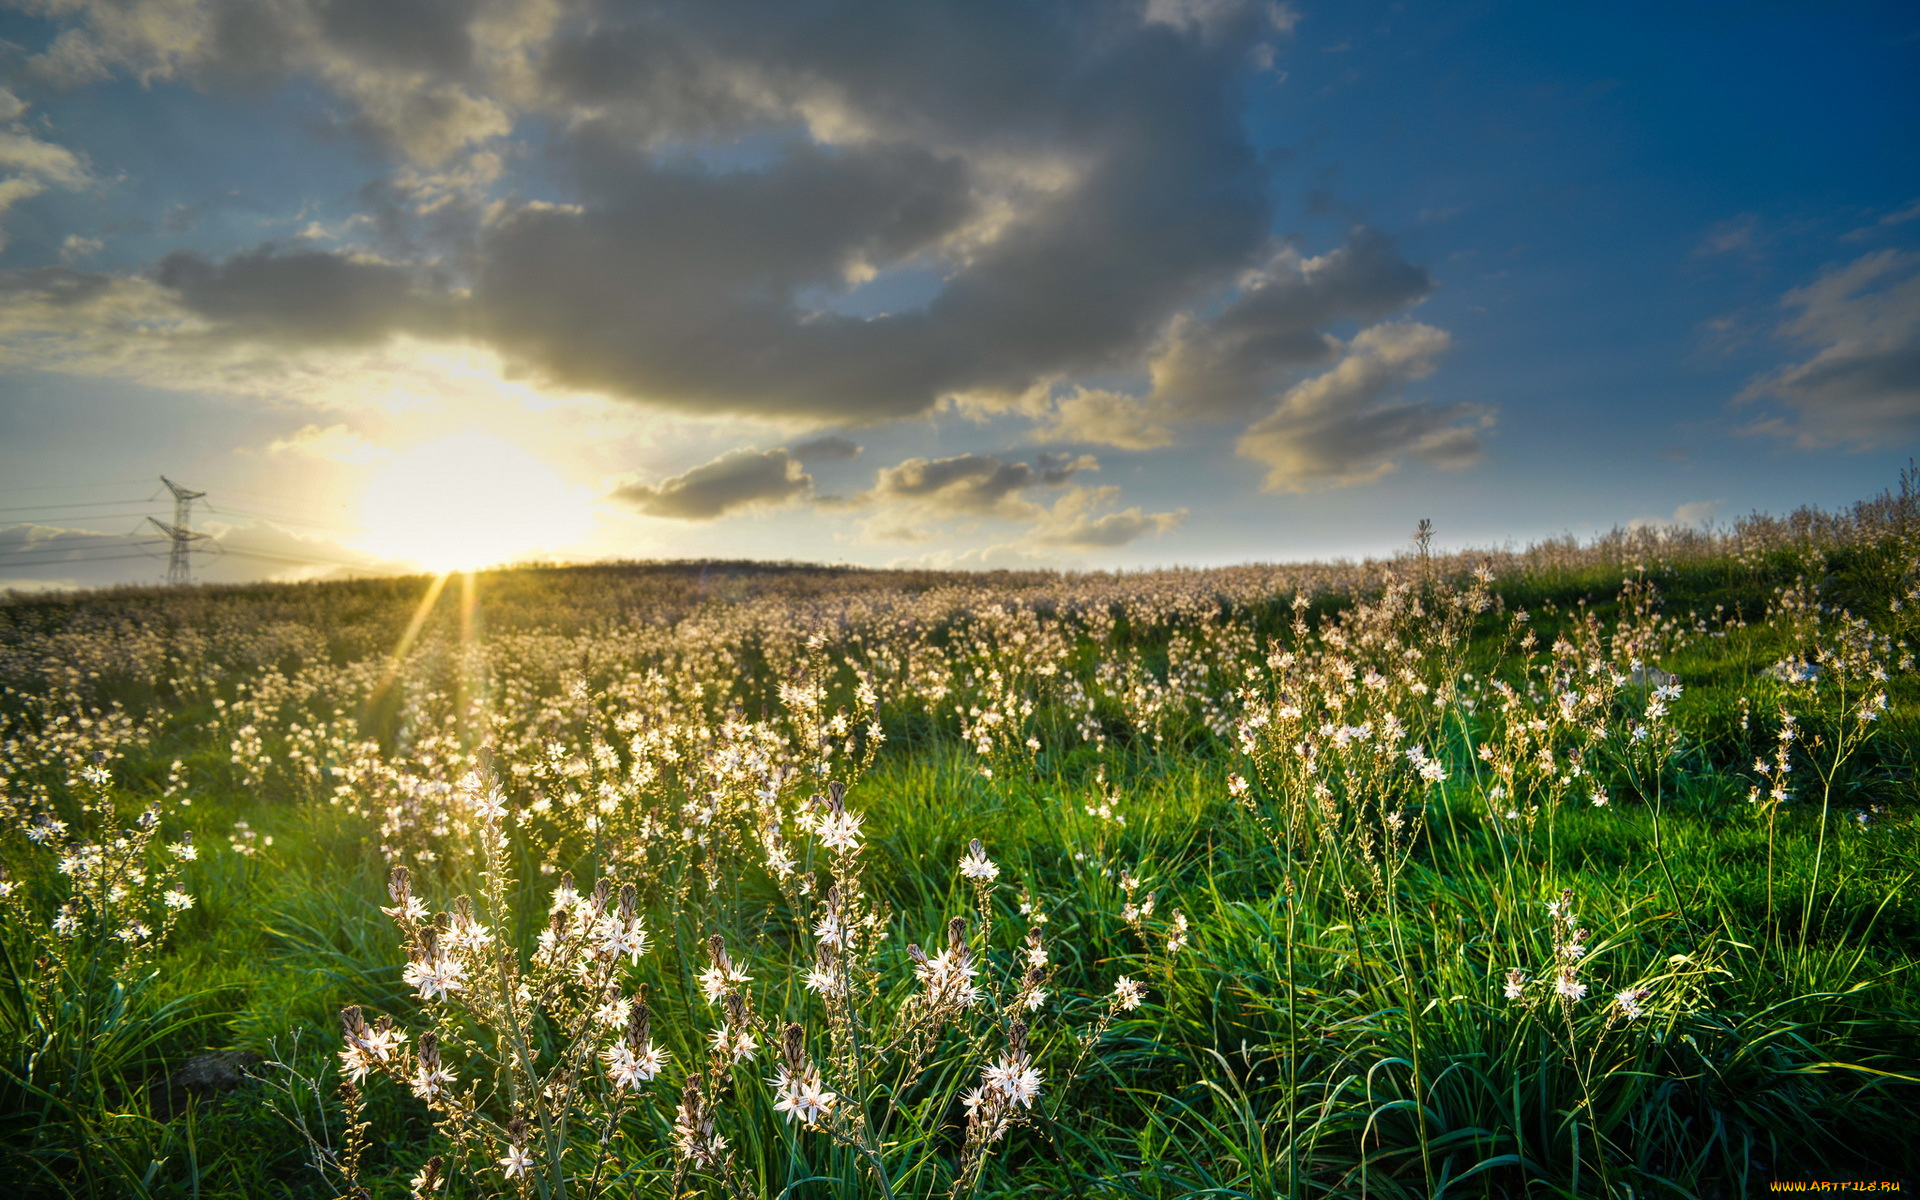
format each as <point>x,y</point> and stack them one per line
<point>1128,993</point>
<point>804,1098</point>
<point>1516,985</point>
<point>1569,987</point>
<point>1016,1079</point>
<point>1628,1002</point>
<point>831,930</point>
<point>515,1161</point>
<point>412,908</point>
<point>435,978</point>
<point>740,1045</point>
<point>177,898</point>
<point>841,831</point>
<point>629,1070</point>
<point>428,1084</point>
<point>619,937</point>
<point>714,981</point>
<point>949,976</point>
<point>976,865</point>
<point>490,804</point>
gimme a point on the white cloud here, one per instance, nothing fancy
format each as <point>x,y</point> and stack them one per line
<point>1075,521</point>
<point>1696,514</point>
<point>29,166</point>
<point>335,443</point>
<point>1105,418</point>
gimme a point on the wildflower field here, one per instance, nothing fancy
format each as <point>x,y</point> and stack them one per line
<point>1584,870</point>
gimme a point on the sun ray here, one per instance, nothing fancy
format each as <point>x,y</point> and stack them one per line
<point>420,614</point>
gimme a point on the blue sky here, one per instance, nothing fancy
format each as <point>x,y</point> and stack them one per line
<point>442,282</point>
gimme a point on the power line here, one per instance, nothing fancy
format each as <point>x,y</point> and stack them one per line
<point>231,510</point>
<point>307,561</point>
<point>73,504</point>
<point>43,521</point>
<point>55,487</point>
<point>9,563</point>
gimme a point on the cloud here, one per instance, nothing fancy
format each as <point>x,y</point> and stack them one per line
<point>1695,514</point>
<point>1892,220</point>
<point>1224,366</point>
<point>1736,235</point>
<point>29,166</point>
<point>976,485</point>
<point>1861,388</point>
<point>831,448</point>
<point>305,298</point>
<point>737,480</point>
<point>796,211</point>
<point>1073,181</point>
<point>1343,427</point>
<point>1105,418</point>
<point>76,247</point>
<point>425,78</point>
<point>1073,522</point>
<point>335,443</point>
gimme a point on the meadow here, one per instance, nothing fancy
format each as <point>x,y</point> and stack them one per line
<point>1579,870</point>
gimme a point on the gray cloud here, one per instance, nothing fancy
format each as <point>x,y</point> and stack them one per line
<point>738,479</point>
<point>973,484</point>
<point>1343,427</point>
<point>1223,366</point>
<point>1076,177</point>
<point>417,72</point>
<point>1861,389</point>
<point>830,448</point>
<point>1276,324</point>
<point>306,297</point>
<point>1077,174</point>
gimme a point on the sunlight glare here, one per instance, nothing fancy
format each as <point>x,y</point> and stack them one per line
<point>469,500</point>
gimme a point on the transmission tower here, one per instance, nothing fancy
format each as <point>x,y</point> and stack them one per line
<point>180,533</point>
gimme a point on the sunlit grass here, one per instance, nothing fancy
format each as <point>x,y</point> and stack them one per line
<point>1336,1021</point>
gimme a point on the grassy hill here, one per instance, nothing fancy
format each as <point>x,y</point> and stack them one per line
<point>1579,870</point>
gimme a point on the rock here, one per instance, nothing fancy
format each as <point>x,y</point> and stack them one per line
<point>204,1077</point>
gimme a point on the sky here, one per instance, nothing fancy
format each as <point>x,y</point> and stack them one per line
<point>437,284</point>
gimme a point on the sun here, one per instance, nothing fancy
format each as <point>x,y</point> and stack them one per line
<point>469,500</point>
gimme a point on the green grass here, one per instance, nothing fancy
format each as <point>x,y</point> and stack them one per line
<point>1311,1041</point>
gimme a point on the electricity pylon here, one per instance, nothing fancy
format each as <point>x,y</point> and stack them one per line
<point>180,533</point>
